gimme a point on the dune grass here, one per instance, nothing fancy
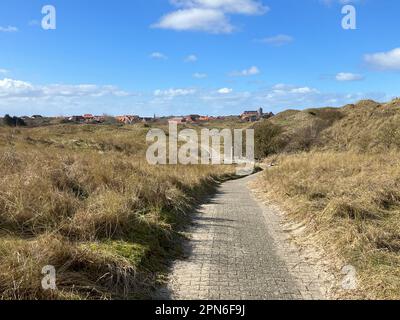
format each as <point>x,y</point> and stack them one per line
<point>84,200</point>
<point>344,187</point>
<point>350,205</point>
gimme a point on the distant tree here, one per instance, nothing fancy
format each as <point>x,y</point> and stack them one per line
<point>19,122</point>
<point>13,121</point>
<point>8,121</point>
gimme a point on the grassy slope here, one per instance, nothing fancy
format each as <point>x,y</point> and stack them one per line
<point>83,198</point>
<point>344,185</point>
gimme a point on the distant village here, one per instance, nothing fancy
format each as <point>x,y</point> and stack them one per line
<point>246,116</point>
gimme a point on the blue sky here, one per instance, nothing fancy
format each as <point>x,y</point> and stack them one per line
<point>212,57</point>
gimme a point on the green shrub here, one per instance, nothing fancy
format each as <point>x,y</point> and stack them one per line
<point>269,139</point>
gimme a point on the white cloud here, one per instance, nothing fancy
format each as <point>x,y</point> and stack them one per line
<point>3,71</point>
<point>389,60</point>
<point>347,76</point>
<point>191,58</point>
<point>208,15</point>
<point>196,19</point>
<point>23,97</point>
<point>303,90</point>
<point>83,90</point>
<point>225,90</point>
<point>277,41</point>
<point>198,75</point>
<point>248,7</point>
<point>285,89</point>
<point>158,55</point>
<point>8,29</point>
<point>10,88</point>
<point>252,71</point>
<point>172,93</point>
<point>16,88</point>
<point>20,98</point>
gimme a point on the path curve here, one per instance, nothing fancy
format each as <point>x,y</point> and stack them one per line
<point>238,250</point>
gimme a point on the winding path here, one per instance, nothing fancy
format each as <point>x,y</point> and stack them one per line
<point>239,250</point>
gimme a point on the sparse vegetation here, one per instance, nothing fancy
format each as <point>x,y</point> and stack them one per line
<point>344,186</point>
<point>83,199</point>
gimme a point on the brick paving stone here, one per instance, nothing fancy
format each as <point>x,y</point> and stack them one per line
<point>238,250</point>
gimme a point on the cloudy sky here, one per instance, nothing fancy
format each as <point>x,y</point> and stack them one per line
<point>195,56</point>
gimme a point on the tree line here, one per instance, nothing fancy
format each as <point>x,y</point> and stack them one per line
<point>13,121</point>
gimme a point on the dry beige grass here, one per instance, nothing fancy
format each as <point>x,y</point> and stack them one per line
<point>338,173</point>
<point>350,205</point>
<point>83,199</point>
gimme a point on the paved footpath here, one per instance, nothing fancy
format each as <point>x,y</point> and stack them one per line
<point>238,250</point>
